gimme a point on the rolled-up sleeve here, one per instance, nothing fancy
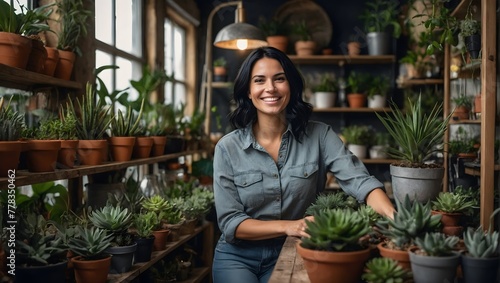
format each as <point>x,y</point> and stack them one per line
<point>230,210</point>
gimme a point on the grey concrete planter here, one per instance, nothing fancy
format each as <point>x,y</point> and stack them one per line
<point>422,184</point>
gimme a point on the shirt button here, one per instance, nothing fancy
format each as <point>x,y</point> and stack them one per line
<point>277,199</point>
<point>275,175</point>
<point>305,174</point>
<point>244,183</point>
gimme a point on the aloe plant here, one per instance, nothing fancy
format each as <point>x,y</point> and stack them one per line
<point>90,243</point>
<point>481,243</point>
<point>383,270</point>
<point>74,22</point>
<point>452,203</point>
<point>127,126</point>
<point>437,244</point>
<point>93,119</point>
<point>111,218</point>
<point>416,133</point>
<point>412,220</point>
<point>336,230</point>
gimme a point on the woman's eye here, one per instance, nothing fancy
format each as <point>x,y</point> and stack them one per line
<point>281,79</point>
<point>258,80</point>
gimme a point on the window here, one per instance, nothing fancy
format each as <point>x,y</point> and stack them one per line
<point>119,40</point>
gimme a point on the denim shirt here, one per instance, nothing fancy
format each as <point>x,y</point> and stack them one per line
<point>248,183</point>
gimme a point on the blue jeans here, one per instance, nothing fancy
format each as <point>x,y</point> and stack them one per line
<point>245,261</point>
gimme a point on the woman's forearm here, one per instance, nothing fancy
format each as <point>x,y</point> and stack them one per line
<point>252,229</point>
<point>380,202</point>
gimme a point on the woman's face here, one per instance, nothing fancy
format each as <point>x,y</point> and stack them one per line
<point>269,87</point>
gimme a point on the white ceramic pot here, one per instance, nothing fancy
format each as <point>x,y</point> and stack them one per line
<point>376,101</point>
<point>323,99</point>
<point>378,152</point>
<point>358,150</point>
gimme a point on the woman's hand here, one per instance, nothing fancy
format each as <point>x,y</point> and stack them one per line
<point>297,228</point>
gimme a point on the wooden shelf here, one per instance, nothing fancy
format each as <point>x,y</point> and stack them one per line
<point>378,161</point>
<point>351,110</point>
<point>138,268</point>
<point>24,177</point>
<point>459,122</point>
<point>222,84</point>
<point>474,168</point>
<point>25,80</point>
<point>343,59</point>
<point>416,82</point>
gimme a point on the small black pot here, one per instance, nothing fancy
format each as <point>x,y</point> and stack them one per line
<point>144,249</point>
<point>473,45</point>
<point>52,273</point>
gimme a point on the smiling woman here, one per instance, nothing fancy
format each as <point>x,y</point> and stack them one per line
<point>272,167</point>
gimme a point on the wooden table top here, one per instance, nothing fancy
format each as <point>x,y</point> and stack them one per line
<point>290,266</point>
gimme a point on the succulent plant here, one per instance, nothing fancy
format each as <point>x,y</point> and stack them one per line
<point>144,223</point>
<point>480,243</point>
<point>11,123</point>
<point>331,200</point>
<point>412,220</point>
<point>437,244</point>
<point>156,203</point>
<point>90,243</point>
<point>128,125</point>
<point>336,230</point>
<point>369,213</point>
<point>383,270</point>
<point>111,218</point>
<point>451,203</point>
<point>469,27</point>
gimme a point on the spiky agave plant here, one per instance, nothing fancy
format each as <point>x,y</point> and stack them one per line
<point>383,270</point>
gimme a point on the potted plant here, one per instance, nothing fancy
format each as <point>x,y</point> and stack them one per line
<point>383,269</point>
<point>380,141</point>
<point>73,23</point>
<point>92,262</point>
<point>157,124</point>
<point>194,129</point>
<point>353,45</point>
<point>378,86</point>
<point>160,207</point>
<point>326,201</point>
<point>91,124</point>
<point>451,206</point>
<point>123,132</point>
<point>116,221</point>
<point>463,106</point>
<point>40,251</point>
<point>11,127</point>
<point>220,70</point>
<point>304,46</point>
<point>357,82</point>
<point>435,258</point>
<point>66,133</point>
<point>194,207</point>
<point>43,146</point>
<point>357,138</point>
<point>418,135</point>
<point>144,223</point>
<point>324,91</point>
<point>276,32</point>
<point>378,16</point>
<point>333,250</point>
<point>470,31</point>
<point>481,257</point>
<point>412,219</point>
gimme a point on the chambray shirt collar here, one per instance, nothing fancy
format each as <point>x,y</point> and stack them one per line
<point>249,138</point>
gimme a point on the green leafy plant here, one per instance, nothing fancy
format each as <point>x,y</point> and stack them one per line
<point>93,116</point>
<point>196,205</point>
<point>127,126</point>
<point>357,82</point>
<point>335,230</point>
<point>66,125</point>
<point>90,243</point>
<point>144,223</point>
<point>463,142</point>
<point>356,134</point>
<point>437,244</point>
<point>469,27</point>
<point>273,26</point>
<point>113,97</point>
<point>481,243</point>
<point>326,83</point>
<point>220,62</point>
<point>379,15</point>
<point>451,203</point>
<point>11,122</point>
<point>74,22</point>
<point>383,270</point>
<point>302,31</point>
<point>416,133</point>
<point>27,22</point>
<point>462,100</point>
<point>377,85</point>
<point>412,220</point>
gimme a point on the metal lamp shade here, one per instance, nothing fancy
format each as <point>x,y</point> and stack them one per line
<point>235,35</point>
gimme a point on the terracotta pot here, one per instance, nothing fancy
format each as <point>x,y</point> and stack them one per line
<point>356,100</point>
<point>10,152</point>
<point>14,50</point>
<point>449,219</point>
<point>50,64</point>
<point>42,155</point>
<point>159,143</point>
<point>95,271</point>
<point>353,48</point>
<point>279,42</point>
<point>402,257</point>
<point>142,147</point>
<point>37,57</point>
<point>160,241</point>
<point>90,152</point>
<point>305,48</point>
<point>121,148</point>
<point>67,154</point>
<point>477,103</point>
<point>333,267</point>
<point>460,113</point>
<point>64,67</point>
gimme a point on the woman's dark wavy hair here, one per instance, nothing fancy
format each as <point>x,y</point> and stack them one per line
<point>297,111</point>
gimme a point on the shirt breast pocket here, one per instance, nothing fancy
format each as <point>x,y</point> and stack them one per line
<point>250,188</point>
<point>303,178</point>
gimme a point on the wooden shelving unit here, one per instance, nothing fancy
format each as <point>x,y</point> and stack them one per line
<point>352,110</point>
<point>196,275</point>
<point>25,80</point>
<point>342,59</point>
